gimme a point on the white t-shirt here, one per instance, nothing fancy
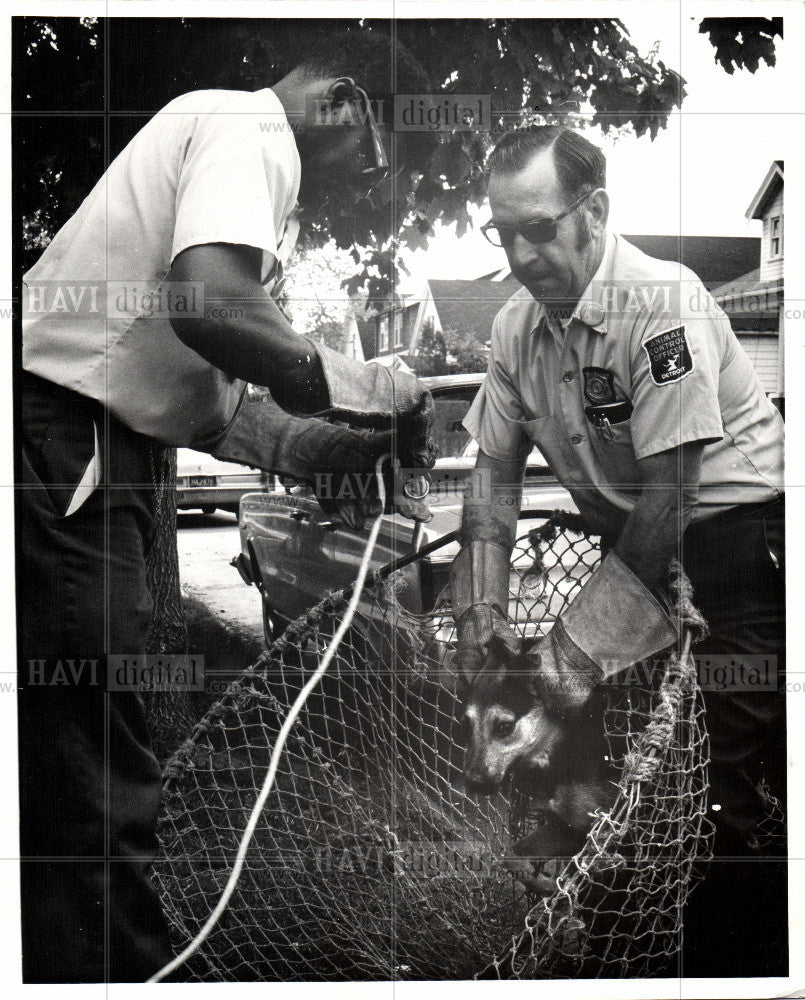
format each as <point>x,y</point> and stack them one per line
<point>213,166</point>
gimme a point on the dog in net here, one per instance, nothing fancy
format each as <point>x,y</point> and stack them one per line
<point>374,860</point>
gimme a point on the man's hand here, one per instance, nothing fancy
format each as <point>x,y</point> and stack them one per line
<point>337,462</point>
<point>479,576</point>
<point>562,677</point>
<point>475,629</point>
<point>613,623</point>
<point>353,498</point>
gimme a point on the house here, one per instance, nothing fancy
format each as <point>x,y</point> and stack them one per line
<point>753,300</point>
<point>396,330</point>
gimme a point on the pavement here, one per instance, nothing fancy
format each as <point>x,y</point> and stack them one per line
<point>224,614</point>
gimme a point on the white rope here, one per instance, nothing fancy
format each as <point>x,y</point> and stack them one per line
<point>290,719</point>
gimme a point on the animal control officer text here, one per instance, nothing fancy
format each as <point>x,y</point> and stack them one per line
<point>669,356</point>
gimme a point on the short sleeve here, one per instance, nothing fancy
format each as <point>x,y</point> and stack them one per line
<point>675,376</point>
<point>495,417</point>
<point>227,190</point>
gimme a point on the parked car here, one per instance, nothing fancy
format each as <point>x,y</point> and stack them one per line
<point>208,484</point>
<point>294,554</point>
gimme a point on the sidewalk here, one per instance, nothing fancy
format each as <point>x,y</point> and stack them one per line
<point>224,614</point>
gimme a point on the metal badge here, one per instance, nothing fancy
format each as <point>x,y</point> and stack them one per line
<point>599,386</point>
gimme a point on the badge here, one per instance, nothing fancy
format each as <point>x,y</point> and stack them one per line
<point>599,386</point>
<point>669,356</point>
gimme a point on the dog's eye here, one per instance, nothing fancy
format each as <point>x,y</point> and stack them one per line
<point>503,728</point>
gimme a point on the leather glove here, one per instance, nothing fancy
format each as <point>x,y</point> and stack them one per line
<point>353,498</point>
<point>316,452</point>
<point>614,622</point>
<point>415,446</point>
<point>479,589</point>
<point>369,394</point>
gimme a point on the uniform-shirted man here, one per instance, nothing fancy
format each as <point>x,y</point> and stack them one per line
<point>626,375</point>
<point>146,317</point>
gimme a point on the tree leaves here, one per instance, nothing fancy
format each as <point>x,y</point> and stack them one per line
<point>741,42</point>
<point>534,69</point>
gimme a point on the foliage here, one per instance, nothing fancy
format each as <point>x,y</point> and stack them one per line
<point>535,70</point>
<point>450,352</point>
<point>742,42</point>
<point>330,333</point>
<point>314,287</point>
<point>465,353</point>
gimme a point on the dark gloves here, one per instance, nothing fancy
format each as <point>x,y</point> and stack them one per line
<point>336,461</point>
<point>353,497</point>
<point>479,590</point>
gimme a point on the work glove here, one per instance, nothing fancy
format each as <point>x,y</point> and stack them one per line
<point>326,456</point>
<point>479,591</point>
<point>613,623</point>
<point>352,498</point>
<point>371,395</point>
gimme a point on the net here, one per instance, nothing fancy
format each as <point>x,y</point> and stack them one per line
<point>372,862</point>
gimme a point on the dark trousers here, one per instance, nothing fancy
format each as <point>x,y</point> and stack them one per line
<point>89,782</point>
<point>736,922</point>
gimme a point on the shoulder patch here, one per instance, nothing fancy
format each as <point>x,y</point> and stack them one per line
<point>669,356</point>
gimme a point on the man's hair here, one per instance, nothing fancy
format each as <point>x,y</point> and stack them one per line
<point>368,58</point>
<point>580,166</point>
<point>382,69</point>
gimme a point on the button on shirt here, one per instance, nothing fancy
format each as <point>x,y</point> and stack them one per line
<point>213,166</point>
<point>646,331</point>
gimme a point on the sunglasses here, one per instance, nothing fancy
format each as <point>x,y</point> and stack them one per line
<point>345,89</point>
<point>539,231</point>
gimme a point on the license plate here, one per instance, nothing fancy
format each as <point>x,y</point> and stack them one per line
<point>202,481</point>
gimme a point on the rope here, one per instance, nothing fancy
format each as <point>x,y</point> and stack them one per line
<point>287,725</point>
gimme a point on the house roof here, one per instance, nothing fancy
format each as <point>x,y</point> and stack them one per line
<point>470,306</point>
<point>772,183</point>
<point>713,259</point>
<point>750,303</point>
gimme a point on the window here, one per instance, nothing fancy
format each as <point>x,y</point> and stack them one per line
<point>776,236</point>
<point>382,333</point>
<point>398,328</point>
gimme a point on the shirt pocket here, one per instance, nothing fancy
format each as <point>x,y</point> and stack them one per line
<point>614,452</point>
<point>618,434</point>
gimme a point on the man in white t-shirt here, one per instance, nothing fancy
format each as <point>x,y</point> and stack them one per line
<point>144,320</point>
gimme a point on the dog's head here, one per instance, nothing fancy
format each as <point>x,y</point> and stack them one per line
<point>507,723</point>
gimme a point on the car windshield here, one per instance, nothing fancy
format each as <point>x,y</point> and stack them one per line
<point>452,439</point>
<point>449,434</point>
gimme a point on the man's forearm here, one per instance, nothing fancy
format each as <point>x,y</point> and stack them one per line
<point>245,334</point>
<point>652,535</point>
<point>492,504</point>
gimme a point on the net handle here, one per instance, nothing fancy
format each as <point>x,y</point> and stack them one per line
<point>452,536</point>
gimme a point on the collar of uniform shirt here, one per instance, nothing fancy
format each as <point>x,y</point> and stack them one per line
<point>590,308</point>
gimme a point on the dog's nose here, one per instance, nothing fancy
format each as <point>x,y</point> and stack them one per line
<point>481,784</point>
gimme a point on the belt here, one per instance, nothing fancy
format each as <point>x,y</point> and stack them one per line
<point>773,507</point>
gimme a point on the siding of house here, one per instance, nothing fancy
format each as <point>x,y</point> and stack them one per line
<point>762,350</point>
<point>771,268</point>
